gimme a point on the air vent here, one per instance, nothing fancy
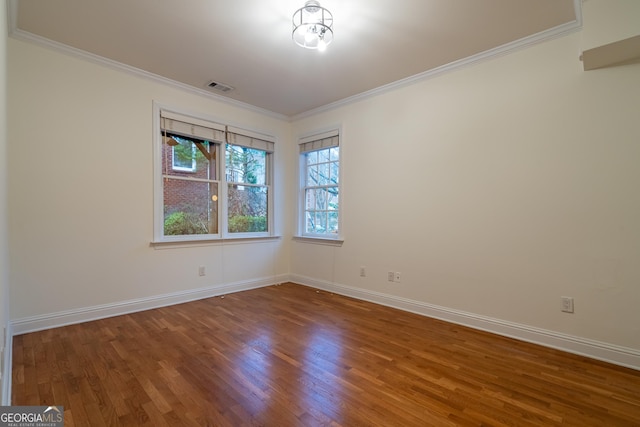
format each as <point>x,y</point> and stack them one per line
<point>220,87</point>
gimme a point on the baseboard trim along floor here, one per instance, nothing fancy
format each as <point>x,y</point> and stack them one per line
<point>605,352</point>
<point>87,314</point>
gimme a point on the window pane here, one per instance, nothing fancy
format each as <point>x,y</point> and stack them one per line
<point>335,173</point>
<point>332,203</point>
<point>247,208</point>
<point>310,221</point>
<point>321,222</point>
<point>335,154</point>
<point>323,174</point>
<point>321,204</point>
<point>312,158</point>
<point>310,199</point>
<point>183,156</point>
<point>188,157</point>
<point>321,199</point>
<point>332,224</point>
<point>246,165</point>
<point>323,155</point>
<point>190,207</point>
<point>312,175</point>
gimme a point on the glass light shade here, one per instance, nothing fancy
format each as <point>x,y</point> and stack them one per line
<point>313,26</point>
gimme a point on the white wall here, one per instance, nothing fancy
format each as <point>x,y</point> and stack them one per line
<point>608,21</point>
<point>4,241</point>
<point>495,190</point>
<point>81,189</point>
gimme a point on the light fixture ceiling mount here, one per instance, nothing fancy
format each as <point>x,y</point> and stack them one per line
<point>312,26</point>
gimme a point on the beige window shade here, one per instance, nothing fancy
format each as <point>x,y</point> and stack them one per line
<point>319,142</point>
<point>249,139</point>
<point>191,127</point>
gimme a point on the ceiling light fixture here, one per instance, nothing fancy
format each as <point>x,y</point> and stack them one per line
<point>313,26</point>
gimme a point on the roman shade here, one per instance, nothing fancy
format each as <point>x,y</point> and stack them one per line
<point>248,139</point>
<point>191,127</point>
<point>319,141</point>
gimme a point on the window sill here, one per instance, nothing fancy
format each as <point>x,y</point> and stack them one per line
<point>187,243</point>
<point>319,240</point>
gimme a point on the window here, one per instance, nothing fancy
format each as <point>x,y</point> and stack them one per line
<point>183,156</point>
<point>247,173</point>
<point>320,186</point>
<point>212,181</point>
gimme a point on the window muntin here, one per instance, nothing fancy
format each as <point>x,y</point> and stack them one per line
<point>321,191</point>
<point>320,186</point>
<point>211,206</point>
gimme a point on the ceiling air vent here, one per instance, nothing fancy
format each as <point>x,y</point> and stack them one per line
<point>220,87</point>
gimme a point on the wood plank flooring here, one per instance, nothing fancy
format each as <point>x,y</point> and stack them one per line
<point>292,356</point>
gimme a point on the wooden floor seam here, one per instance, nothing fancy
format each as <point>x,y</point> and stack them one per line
<point>289,355</point>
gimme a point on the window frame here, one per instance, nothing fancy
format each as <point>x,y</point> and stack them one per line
<point>317,136</point>
<point>269,159</point>
<point>171,174</point>
<point>158,195</point>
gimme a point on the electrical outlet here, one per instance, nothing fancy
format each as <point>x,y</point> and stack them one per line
<point>202,271</point>
<point>396,277</point>
<point>390,276</point>
<point>567,304</point>
<point>363,272</point>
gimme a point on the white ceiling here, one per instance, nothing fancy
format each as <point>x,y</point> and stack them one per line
<point>247,43</point>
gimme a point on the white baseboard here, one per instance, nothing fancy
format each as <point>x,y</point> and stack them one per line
<point>606,352</point>
<point>69,317</point>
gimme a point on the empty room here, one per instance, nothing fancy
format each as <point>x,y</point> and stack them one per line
<point>333,213</point>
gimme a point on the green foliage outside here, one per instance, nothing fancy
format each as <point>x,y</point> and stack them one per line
<point>179,223</point>
<point>246,204</point>
<point>247,224</point>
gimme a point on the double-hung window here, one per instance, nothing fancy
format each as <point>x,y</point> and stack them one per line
<point>212,181</point>
<point>320,186</point>
<point>247,174</point>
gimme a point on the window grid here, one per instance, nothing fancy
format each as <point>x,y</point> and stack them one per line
<point>321,192</point>
<point>247,189</point>
<point>220,197</point>
<point>190,195</point>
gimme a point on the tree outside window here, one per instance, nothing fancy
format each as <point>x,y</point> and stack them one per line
<point>190,189</point>
<point>320,186</point>
<point>208,175</point>
<point>247,192</point>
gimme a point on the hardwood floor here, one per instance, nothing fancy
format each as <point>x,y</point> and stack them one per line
<point>292,356</point>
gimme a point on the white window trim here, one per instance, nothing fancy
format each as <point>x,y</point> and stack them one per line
<point>300,235</point>
<point>159,239</point>
<point>270,160</point>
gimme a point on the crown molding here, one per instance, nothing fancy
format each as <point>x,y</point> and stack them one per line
<point>16,33</point>
<point>523,43</point>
